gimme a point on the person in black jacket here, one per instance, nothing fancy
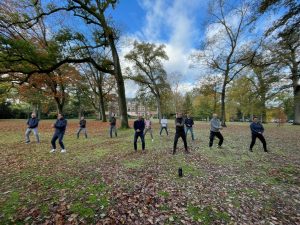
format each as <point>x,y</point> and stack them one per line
<point>179,124</point>
<point>60,128</point>
<point>257,131</point>
<point>82,127</point>
<point>113,127</point>
<point>189,122</point>
<point>139,126</point>
<point>32,125</point>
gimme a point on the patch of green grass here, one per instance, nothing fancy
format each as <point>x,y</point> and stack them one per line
<point>82,210</point>
<point>207,215</point>
<point>9,208</point>
<point>289,170</point>
<point>133,164</point>
<point>251,192</point>
<point>164,194</point>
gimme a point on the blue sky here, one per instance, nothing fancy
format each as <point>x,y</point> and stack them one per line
<point>179,24</point>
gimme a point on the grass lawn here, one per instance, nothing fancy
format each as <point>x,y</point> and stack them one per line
<point>102,180</point>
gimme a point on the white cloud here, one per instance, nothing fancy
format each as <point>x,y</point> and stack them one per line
<point>174,17</point>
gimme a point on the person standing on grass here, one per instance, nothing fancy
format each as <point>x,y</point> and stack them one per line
<point>215,127</point>
<point>113,127</point>
<point>60,128</point>
<point>179,124</point>
<point>148,125</point>
<point>257,131</point>
<point>163,125</point>
<point>82,127</point>
<point>32,125</point>
<point>189,122</point>
<point>139,126</point>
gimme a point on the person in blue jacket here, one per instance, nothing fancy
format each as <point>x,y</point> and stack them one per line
<point>32,125</point>
<point>60,128</point>
<point>257,131</point>
<point>139,126</point>
<point>189,122</point>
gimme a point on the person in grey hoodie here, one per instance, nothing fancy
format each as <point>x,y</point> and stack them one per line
<point>32,125</point>
<point>215,127</point>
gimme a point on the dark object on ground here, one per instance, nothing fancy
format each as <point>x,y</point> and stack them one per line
<point>180,174</point>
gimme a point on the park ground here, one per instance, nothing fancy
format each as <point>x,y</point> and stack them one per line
<point>103,181</point>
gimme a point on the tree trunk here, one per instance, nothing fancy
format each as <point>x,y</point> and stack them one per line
<point>120,84</point>
<point>263,110</point>
<point>223,113</point>
<point>102,108</point>
<point>59,105</point>
<point>297,105</point>
<point>159,108</point>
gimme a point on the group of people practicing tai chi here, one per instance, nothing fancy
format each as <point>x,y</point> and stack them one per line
<point>142,127</point>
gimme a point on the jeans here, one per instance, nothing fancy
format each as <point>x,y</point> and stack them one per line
<point>141,135</point>
<point>187,129</point>
<point>150,131</point>
<point>35,131</point>
<point>81,129</point>
<point>113,128</point>
<point>162,129</point>
<point>183,136</point>
<point>261,138</point>
<point>212,136</point>
<point>59,136</point>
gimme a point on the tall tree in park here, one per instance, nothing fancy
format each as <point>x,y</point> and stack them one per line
<point>100,85</point>
<point>148,70</point>
<point>55,84</point>
<point>265,79</point>
<point>286,35</point>
<point>225,50</point>
<point>92,12</point>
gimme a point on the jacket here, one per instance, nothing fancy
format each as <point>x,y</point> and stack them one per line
<point>60,125</point>
<point>139,125</point>
<point>82,123</point>
<point>189,122</point>
<point>215,125</point>
<point>256,128</point>
<point>180,127</point>
<point>33,122</point>
<point>112,121</point>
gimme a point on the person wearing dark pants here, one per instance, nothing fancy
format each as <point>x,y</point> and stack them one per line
<point>60,128</point>
<point>32,125</point>
<point>215,127</point>
<point>163,125</point>
<point>113,127</point>
<point>257,131</point>
<point>179,124</point>
<point>82,127</point>
<point>139,126</point>
<point>189,122</point>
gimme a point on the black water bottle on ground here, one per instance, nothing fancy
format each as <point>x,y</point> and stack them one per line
<point>180,174</point>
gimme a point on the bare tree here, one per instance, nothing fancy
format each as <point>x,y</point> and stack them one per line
<point>226,50</point>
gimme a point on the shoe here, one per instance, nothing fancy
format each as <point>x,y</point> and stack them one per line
<point>53,150</point>
<point>219,146</point>
<point>27,142</point>
<point>152,140</point>
<point>266,150</point>
<point>187,152</point>
<point>250,150</point>
<point>63,151</point>
<point>174,152</point>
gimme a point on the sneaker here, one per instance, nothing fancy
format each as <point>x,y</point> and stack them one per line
<point>27,142</point>
<point>53,150</point>
<point>250,150</point>
<point>219,146</point>
<point>63,151</point>
<point>152,140</point>
<point>266,150</point>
